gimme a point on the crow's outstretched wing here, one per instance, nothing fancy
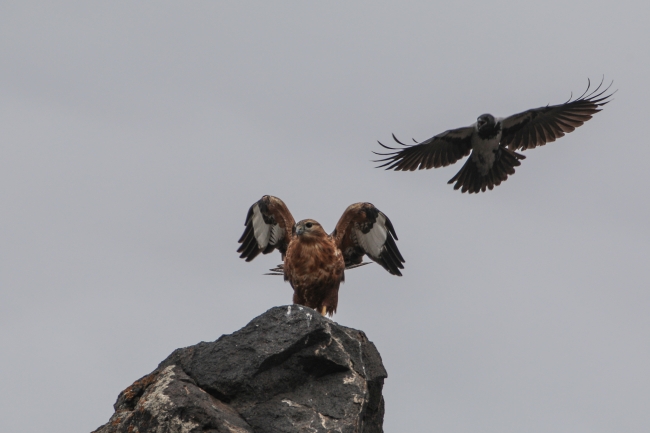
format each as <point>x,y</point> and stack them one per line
<point>438,151</point>
<point>542,125</point>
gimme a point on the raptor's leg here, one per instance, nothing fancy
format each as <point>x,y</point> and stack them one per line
<point>323,310</point>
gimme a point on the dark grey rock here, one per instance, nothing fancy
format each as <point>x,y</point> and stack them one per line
<point>288,370</point>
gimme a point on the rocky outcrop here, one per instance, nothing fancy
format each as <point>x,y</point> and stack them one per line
<point>288,370</point>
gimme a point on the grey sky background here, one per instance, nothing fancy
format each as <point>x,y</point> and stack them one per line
<point>135,135</point>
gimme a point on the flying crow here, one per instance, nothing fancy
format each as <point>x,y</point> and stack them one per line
<point>492,142</point>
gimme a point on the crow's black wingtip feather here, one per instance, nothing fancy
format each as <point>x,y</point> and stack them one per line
<point>390,159</point>
<point>387,147</point>
<point>382,154</point>
<point>395,138</point>
<point>384,165</point>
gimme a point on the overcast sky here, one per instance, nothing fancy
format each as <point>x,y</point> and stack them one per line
<point>135,135</point>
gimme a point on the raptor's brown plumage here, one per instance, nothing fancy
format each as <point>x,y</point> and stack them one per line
<point>315,262</point>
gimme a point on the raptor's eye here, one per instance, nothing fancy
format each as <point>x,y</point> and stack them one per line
<point>308,225</point>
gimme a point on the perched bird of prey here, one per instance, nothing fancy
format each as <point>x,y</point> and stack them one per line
<point>492,142</point>
<point>314,262</point>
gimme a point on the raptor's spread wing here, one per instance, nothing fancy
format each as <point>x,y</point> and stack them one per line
<point>268,226</point>
<point>365,230</point>
<point>542,125</point>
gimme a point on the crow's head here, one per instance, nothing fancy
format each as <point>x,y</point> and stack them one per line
<point>485,121</point>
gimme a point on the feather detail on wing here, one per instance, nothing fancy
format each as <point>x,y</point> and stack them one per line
<point>268,226</point>
<point>438,151</point>
<point>472,181</point>
<point>365,230</point>
<point>543,125</point>
<point>279,269</point>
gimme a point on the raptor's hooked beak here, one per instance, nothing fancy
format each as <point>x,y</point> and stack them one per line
<point>300,230</point>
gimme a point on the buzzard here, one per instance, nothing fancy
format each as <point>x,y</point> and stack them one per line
<point>492,142</point>
<point>315,262</point>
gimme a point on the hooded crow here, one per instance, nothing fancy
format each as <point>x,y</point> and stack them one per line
<point>492,142</point>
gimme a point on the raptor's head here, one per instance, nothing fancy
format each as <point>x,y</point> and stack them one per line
<point>309,229</point>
